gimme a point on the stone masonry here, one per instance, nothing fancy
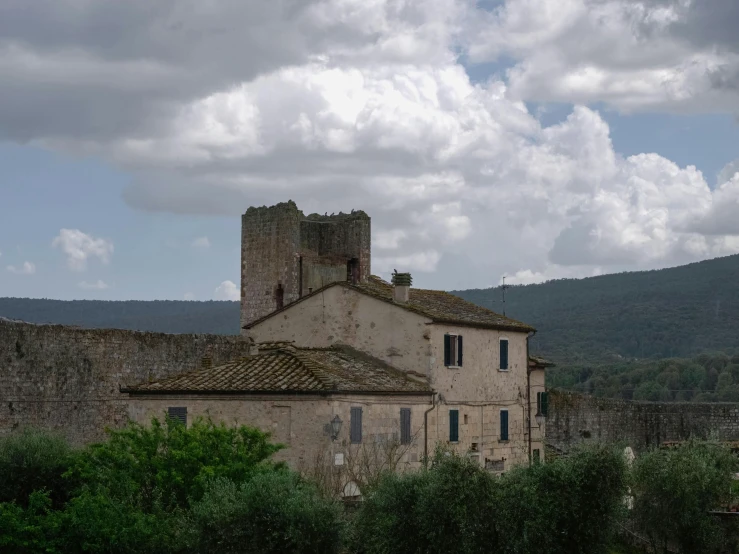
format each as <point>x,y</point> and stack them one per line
<point>576,418</point>
<point>285,254</point>
<point>68,379</point>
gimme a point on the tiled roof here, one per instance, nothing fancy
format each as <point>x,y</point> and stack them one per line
<point>438,305</point>
<point>441,306</point>
<point>280,367</point>
<point>540,362</point>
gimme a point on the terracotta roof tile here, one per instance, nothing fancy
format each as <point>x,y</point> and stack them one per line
<point>290,369</point>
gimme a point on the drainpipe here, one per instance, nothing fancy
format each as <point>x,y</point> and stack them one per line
<point>528,390</point>
<point>426,432</point>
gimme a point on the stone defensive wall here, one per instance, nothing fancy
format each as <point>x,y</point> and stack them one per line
<point>68,379</point>
<point>576,418</point>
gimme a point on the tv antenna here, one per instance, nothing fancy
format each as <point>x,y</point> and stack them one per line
<point>503,288</point>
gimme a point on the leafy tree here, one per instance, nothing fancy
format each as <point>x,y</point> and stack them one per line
<point>31,460</point>
<point>272,513</point>
<point>167,464</point>
<point>674,490</point>
<point>32,530</point>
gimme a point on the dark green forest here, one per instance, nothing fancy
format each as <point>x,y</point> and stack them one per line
<point>676,312</point>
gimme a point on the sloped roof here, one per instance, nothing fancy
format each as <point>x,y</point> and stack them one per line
<point>438,305</point>
<point>538,361</point>
<point>282,368</point>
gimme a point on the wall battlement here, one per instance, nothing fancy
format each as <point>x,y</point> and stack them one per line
<point>285,254</point>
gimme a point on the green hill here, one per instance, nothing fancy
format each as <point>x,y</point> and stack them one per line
<point>676,312</point>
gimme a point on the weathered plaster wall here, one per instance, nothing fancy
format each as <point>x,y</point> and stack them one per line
<point>342,315</point>
<point>575,419</point>
<point>298,421</point>
<point>65,378</point>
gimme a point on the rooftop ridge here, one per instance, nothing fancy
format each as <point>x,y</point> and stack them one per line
<point>316,370</point>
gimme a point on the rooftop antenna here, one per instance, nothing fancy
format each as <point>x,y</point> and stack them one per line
<point>503,287</point>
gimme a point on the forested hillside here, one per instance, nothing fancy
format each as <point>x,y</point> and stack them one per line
<point>676,312</point>
<point>166,316</point>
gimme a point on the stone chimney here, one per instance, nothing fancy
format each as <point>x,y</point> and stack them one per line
<point>401,287</point>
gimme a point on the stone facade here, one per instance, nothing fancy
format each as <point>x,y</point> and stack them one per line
<point>68,379</point>
<point>413,343</point>
<point>576,418</point>
<point>285,254</point>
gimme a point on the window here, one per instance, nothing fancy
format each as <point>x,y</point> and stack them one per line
<point>542,403</point>
<point>504,354</point>
<point>453,425</point>
<point>280,296</point>
<point>405,425</point>
<point>504,425</point>
<point>178,414</point>
<point>355,431</point>
<point>453,350</point>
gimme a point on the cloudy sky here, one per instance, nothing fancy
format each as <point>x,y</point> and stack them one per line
<point>536,139</point>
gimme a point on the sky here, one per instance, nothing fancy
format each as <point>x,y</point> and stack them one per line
<point>531,139</point>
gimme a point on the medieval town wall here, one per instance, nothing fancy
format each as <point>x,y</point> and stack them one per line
<point>67,379</point>
<point>576,418</point>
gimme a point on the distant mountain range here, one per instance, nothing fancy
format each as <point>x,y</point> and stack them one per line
<point>680,311</point>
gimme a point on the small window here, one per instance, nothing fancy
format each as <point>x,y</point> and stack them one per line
<point>178,414</point>
<point>280,296</point>
<point>504,354</point>
<point>542,403</point>
<point>453,350</point>
<point>355,432</point>
<point>504,425</point>
<point>405,425</point>
<point>453,425</point>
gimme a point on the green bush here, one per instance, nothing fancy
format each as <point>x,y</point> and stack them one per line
<point>32,460</point>
<point>568,506</point>
<point>274,512</point>
<point>168,464</point>
<point>674,489</point>
<point>32,530</point>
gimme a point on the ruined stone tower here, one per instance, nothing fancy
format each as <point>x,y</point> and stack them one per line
<point>286,255</point>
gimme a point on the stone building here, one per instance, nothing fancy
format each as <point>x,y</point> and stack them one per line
<point>414,362</point>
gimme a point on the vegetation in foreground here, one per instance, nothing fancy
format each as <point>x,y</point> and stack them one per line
<point>208,488</point>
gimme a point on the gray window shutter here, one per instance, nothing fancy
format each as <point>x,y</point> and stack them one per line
<point>504,425</point>
<point>459,350</point>
<point>355,432</point>
<point>544,403</point>
<point>447,350</point>
<point>504,354</point>
<point>405,425</point>
<point>453,425</point>
<point>178,414</point>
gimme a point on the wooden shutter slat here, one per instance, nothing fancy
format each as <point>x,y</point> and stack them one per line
<point>178,414</point>
<point>453,425</point>
<point>405,426</point>
<point>355,431</point>
<point>504,354</point>
<point>544,403</point>
<point>447,350</point>
<point>459,350</point>
<point>504,425</point>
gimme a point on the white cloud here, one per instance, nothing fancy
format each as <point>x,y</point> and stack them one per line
<point>97,285</point>
<point>28,268</point>
<point>227,290</point>
<point>79,247</point>
<point>202,243</point>
<point>189,296</point>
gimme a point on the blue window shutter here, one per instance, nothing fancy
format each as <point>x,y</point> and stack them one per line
<point>504,425</point>
<point>178,414</point>
<point>503,354</point>
<point>459,350</point>
<point>544,403</point>
<point>355,426</point>
<point>453,425</point>
<point>447,350</point>
<point>405,425</point>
